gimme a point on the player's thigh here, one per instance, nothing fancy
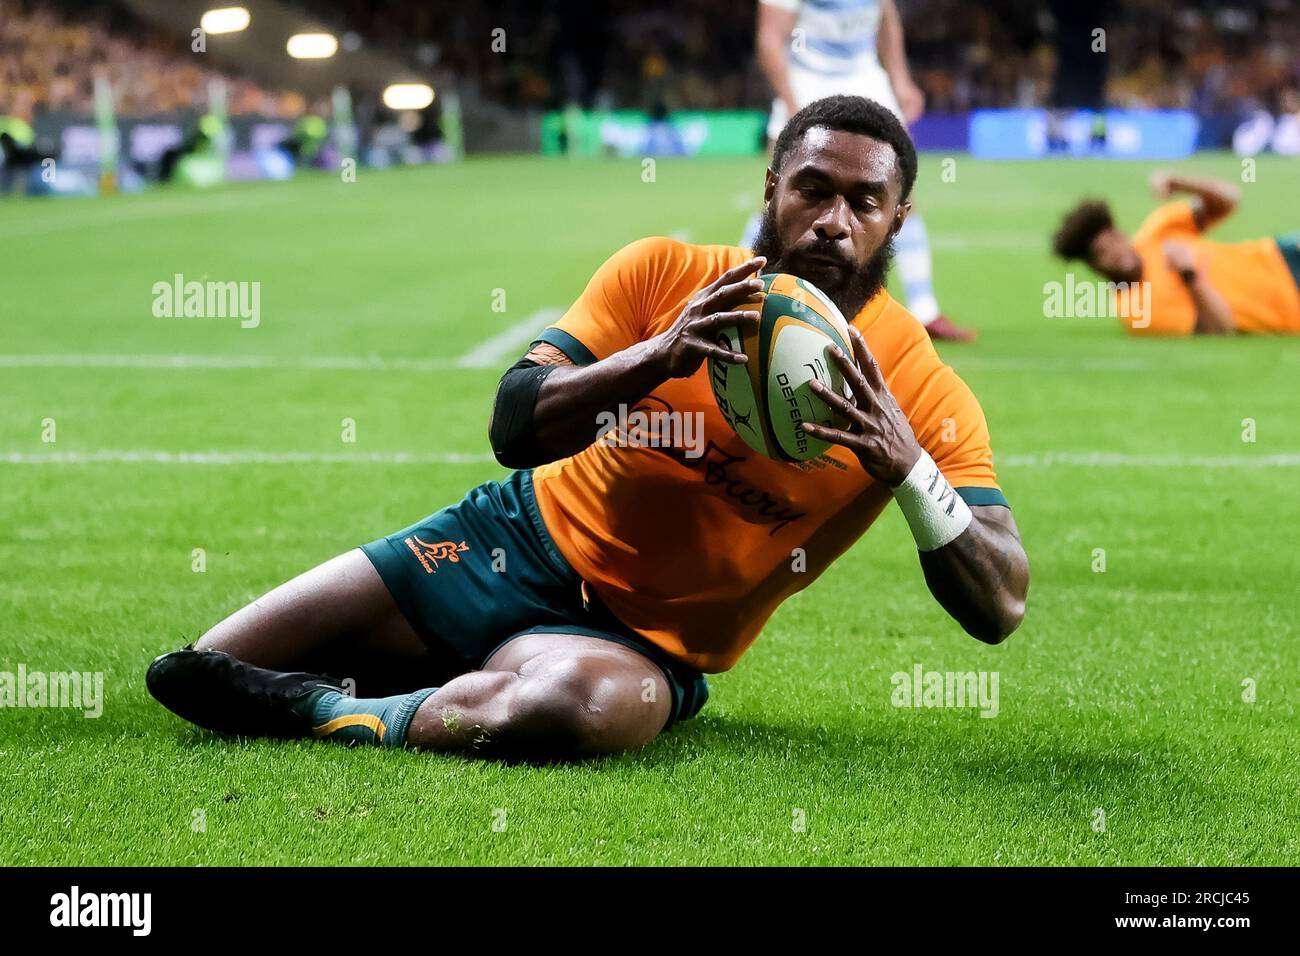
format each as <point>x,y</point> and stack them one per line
<point>341,604</point>
<point>610,696</point>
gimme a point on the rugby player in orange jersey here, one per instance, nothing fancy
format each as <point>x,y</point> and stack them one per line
<point>574,607</point>
<point>1171,280</point>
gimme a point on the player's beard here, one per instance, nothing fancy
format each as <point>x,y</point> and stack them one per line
<point>847,284</point>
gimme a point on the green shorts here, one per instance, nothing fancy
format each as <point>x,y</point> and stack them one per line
<point>1289,246</point>
<point>472,577</point>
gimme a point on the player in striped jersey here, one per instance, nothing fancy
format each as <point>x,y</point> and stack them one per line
<point>810,49</point>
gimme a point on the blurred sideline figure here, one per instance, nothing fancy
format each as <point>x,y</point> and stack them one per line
<point>18,152</point>
<point>201,142</point>
<point>305,142</point>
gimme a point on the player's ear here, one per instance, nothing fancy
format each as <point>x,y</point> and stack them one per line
<point>900,217</point>
<point>769,185</point>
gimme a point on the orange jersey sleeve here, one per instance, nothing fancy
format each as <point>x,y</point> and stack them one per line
<point>616,308</point>
<point>1171,221</point>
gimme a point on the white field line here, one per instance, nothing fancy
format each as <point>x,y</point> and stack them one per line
<point>1105,459</point>
<point>347,363</point>
<point>490,353</point>
<point>1039,460</point>
<point>474,360</point>
<point>243,458</point>
<point>991,242</point>
<point>1063,363</point>
<point>129,210</point>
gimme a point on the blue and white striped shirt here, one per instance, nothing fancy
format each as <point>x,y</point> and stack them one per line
<point>833,37</point>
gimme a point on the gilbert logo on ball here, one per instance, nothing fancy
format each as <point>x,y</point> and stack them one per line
<point>767,399</point>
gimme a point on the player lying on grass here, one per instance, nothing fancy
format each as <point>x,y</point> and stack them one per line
<point>1187,284</point>
<point>573,607</point>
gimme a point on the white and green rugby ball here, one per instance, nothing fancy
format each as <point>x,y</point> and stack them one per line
<point>767,399</point>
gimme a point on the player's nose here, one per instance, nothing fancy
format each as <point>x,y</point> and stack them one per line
<point>835,221</point>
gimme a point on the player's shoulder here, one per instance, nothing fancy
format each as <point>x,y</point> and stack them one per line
<point>672,262</point>
<point>1178,216</point>
<point>893,334</point>
<point>658,271</point>
<point>911,364</point>
<point>665,251</point>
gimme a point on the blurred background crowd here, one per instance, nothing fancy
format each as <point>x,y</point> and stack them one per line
<point>51,50</point>
<point>1205,55</point>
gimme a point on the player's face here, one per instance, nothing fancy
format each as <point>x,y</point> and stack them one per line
<point>1114,257</point>
<point>831,214</point>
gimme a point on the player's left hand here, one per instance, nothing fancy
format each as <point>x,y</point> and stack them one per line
<point>878,433</point>
<point>911,100</point>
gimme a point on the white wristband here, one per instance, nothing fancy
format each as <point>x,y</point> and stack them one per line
<point>935,513</point>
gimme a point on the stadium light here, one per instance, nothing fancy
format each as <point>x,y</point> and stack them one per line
<point>312,46</point>
<point>408,96</point>
<point>225,20</point>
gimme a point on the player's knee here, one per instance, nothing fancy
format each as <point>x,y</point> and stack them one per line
<point>561,712</point>
<point>228,635</point>
<point>230,640</point>
<point>211,642</point>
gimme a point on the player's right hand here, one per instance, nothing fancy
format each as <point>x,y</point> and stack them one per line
<point>682,348</point>
<point>911,101</point>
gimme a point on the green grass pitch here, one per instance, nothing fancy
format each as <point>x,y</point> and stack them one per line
<point>1121,693</point>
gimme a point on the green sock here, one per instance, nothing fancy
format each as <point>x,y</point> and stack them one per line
<point>375,720</point>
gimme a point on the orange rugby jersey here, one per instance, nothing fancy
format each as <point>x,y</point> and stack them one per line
<point>1252,277</point>
<point>695,553</point>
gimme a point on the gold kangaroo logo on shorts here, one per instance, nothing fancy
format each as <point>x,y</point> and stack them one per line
<point>430,554</point>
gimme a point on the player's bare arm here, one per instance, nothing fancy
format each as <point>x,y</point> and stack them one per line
<point>981,576</point>
<point>774,27</point>
<point>893,57</point>
<point>1214,199</point>
<point>1213,316</point>
<point>571,397</point>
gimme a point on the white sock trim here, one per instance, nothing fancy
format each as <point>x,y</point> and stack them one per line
<point>935,513</point>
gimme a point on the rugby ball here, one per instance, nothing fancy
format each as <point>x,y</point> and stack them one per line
<point>767,399</point>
